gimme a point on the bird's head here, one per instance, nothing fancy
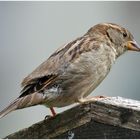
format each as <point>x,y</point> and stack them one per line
<point>120,38</point>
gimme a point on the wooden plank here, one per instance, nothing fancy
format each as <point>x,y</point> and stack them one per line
<point>112,117</point>
<point>96,130</point>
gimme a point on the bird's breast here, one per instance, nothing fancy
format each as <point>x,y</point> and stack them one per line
<point>93,67</point>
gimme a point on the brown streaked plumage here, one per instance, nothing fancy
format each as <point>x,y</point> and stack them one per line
<point>73,71</point>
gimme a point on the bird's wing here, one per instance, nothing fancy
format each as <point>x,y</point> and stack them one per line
<point>45,74</point>
<point>56,65</point>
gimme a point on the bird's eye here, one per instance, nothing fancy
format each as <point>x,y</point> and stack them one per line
<point>124,34</point>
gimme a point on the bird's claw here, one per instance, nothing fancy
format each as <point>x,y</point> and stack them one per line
<point>100,96</point>
<point>47,117</point>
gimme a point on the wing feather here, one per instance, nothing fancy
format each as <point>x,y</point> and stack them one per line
<point>38,85</point>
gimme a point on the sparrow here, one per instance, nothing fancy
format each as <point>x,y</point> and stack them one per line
<point>73,71</point>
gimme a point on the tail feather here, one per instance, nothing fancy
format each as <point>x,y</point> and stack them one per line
<point>10,108</point>
<point>23,102</point>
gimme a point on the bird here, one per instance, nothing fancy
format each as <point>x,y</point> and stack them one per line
<point>74,70</point>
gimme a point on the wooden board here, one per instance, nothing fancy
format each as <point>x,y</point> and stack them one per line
<point>112,117</point>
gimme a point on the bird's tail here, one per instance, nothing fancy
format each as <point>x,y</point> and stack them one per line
<point>8,109</point>
<point>23,102</point>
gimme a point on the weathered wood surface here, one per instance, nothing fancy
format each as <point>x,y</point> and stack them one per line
<point>113,117</point>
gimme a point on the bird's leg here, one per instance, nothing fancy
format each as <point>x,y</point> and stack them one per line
<point>95,98</point>
<point>53,113</point>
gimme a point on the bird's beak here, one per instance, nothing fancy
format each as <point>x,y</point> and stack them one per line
<point>133,46</point>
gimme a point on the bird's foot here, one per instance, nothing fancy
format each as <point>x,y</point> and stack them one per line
<point>53,114</point>
<point>100,96</point>
<point>47,117</point>
<point>95,98</point>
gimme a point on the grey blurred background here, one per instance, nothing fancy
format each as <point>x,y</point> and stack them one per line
<point>31,31</point>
